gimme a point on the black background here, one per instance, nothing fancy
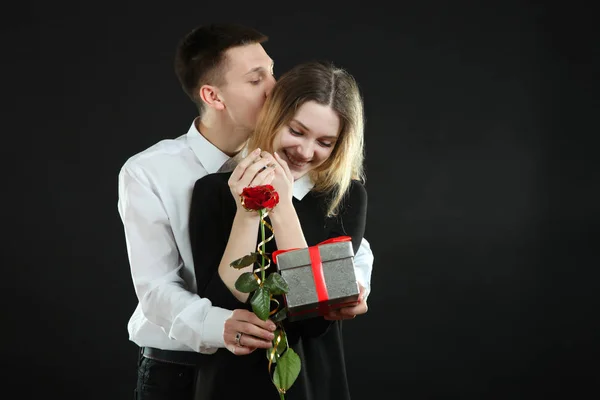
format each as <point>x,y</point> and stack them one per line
<point>483,213</point>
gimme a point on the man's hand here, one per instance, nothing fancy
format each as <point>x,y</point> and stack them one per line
<point>350,312</point>
<point>244,332</point>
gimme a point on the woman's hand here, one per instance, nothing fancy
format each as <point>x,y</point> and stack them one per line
<point>350,312</point>
<point>254,170</point>
<point>284,219</point>
<point>283,181</point>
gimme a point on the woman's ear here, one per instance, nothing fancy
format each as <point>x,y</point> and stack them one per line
<point>210,96</point>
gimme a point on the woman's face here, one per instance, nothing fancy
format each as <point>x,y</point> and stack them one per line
<point>309,138</point>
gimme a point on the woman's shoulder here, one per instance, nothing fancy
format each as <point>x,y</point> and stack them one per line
<point>357,185</point>
<point>357,192</point>
<point>354,196</point>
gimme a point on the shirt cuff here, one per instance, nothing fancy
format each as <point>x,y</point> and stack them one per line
<point>214,325</point>
<point>200,326</point>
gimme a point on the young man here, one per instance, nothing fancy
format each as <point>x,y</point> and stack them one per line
<point>226,72</point>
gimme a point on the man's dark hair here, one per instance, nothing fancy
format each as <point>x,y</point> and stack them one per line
<point>200,57</point>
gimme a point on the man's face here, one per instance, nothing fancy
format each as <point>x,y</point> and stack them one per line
<point>248,81</point>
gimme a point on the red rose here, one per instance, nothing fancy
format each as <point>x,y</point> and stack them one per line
<point>259,197</point>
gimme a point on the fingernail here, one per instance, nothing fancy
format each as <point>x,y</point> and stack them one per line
<point>272,327</point>
<point>257,151</point>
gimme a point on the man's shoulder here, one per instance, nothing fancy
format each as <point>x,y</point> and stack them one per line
<point>164,151</point>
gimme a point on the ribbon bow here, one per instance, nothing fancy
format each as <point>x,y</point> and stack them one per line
<point>328,241</point>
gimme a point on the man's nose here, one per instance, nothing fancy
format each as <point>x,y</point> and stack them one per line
<point>269,85</point>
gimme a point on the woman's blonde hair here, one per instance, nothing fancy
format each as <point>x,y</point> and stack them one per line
<point>328,85</point>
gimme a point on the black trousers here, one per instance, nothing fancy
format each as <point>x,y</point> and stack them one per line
<point>163,380</point>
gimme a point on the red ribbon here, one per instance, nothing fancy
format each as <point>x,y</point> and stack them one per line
<point>317,265</point>
<point>318,276</point>
<point>328,241</point>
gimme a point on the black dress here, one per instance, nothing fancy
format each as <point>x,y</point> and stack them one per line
<point>318,342</point>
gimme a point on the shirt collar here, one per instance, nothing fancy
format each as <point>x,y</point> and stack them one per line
<point>207,153</point>
<point>212,159</point>
<point>302,186</point>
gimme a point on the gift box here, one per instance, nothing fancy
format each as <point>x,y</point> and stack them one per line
<point>320,278</point>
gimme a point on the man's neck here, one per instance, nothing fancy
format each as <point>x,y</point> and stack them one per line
<point>227,138</point>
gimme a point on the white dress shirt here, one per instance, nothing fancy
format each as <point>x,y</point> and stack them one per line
<point>155,188</point>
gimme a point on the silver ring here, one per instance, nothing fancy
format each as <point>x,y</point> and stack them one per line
<point>238,337</point>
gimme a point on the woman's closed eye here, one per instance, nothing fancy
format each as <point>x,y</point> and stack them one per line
<point>293,132</point>
<point>321,142</point>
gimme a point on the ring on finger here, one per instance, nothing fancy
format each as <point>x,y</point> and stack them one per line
<point>238,339</point>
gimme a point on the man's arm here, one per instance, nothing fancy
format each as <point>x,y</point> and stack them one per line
<point>363,266</point>
<point>155,269</point>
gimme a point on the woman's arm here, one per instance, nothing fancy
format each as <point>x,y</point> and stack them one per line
<point>250,171</point>
<point>211,218</point>
<point>352,217</point>
<point>351,222</point>
<point>242,241</point>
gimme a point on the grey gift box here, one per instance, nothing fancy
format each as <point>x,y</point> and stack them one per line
<point>302,299</point>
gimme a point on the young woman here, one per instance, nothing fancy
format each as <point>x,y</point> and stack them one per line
<point>309,145</point>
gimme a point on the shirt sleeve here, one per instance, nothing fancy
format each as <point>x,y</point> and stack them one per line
<point>156,266</point>
<point>363,266</point>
